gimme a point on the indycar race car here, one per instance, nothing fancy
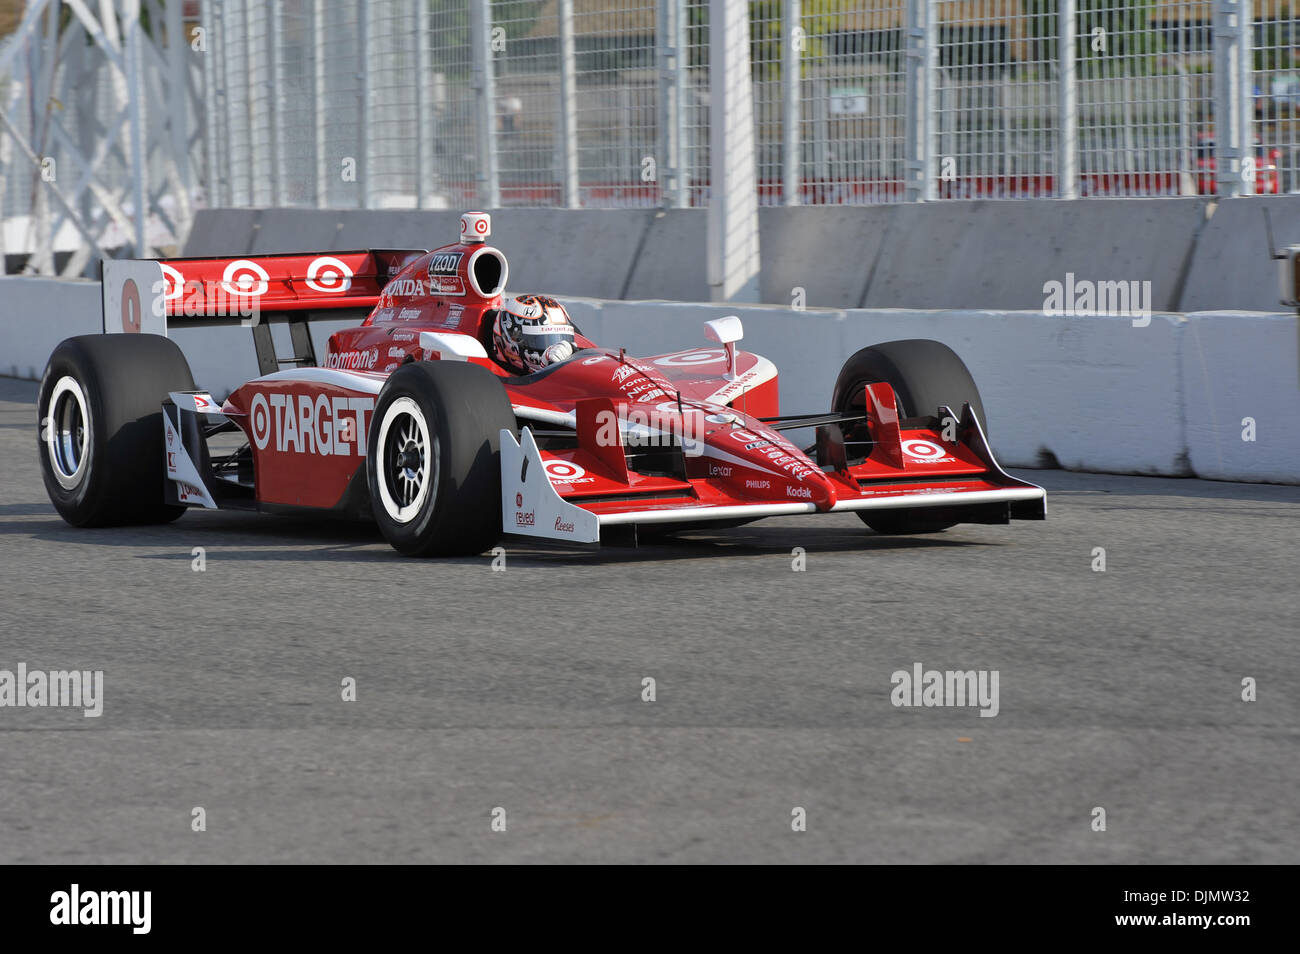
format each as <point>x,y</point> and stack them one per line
<point>411,421</point>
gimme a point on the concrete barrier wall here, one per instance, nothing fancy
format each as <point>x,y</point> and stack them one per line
<point>952,254</point>
<point>37,313</point>
<point>1097,394</point>
<point>1241,396</point>
<point>1231,268</point>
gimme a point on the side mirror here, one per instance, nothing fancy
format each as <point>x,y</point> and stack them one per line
<point>726,332</point>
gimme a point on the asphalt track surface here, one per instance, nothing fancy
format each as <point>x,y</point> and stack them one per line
<point>522,689</point>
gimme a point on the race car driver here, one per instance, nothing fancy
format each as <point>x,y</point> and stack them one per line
<point>531,332</point>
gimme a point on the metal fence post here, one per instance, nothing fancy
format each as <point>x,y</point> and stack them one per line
<point>1067,141</point>
<point>1229,149</point>
<point>733,199</point>
<point>138,131</point>
<point>680,36</point>
<point>210,119</point>
<point>178,106</point>
<point>273,11</point>
<point>791,75</point>
<point>670,54</point>
<point>480,28</point>
<point>915,102</point>
<point>363,101</point>
<point>568,109</point>
<point>930,103</point>
<point>225,20</point>
<point>250,110</point>
<point>318,96</point>
<point>1246,104</point>
<point>422,119</point>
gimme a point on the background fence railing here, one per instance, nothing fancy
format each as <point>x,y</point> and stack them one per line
<point>605,103</point>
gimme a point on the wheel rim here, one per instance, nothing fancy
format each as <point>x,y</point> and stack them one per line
<point>67,432</point>
<point>407,455</point>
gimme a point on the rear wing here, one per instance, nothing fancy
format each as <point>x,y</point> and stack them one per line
<point>153,296</point>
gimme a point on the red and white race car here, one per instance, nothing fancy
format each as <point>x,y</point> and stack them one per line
<point>410,421</point>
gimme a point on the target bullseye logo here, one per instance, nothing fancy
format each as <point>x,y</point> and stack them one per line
<point>563,472</point>
<point>923,450</point>
<point>260,413</point>
<point>329,274</point>
<point>704,356</point>
<point>174,282</point>
<point>244,277</point>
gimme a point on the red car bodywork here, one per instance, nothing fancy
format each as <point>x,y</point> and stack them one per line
<point>307,426</point>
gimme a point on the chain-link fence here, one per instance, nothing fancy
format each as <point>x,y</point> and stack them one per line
<point>606,103</point>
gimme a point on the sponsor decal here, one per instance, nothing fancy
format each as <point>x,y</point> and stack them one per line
<point>454,311</point>
<point>396,352</point>
<point>244,277</point>
<point>564,472</point>
<point>754,445</point>
<point>403,336</point>
<point>734,388</point>
<point>320,424</point>
<point>926,451</point>
<point>171,449</point>
<point>353,360</point>
<point>801,492</point>
<point>562,527</point>
<point>409,314</point>
<point>444,274</point>
<point>719,470</point>
<point>445,263</point>
<point>186,492</point>
<point>384,314</point>
<point>328,274</point>
<point>523,519</point>
<point>594,359</point>
<point>174,281</point>
<point>404,287</point>
<point>687,358</point>
<point>519,500</point>
<point>446,286</point>
<point>757,484</point>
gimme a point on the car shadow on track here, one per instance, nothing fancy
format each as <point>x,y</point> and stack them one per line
<point>257,537</point>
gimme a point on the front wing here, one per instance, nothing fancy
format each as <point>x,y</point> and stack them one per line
<point>531,506</point>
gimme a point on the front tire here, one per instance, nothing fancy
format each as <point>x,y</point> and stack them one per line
<point>433,462</point>
<point>924,374</point>
<point>101,432</point>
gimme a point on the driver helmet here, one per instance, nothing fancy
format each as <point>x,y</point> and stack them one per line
<point>531,332</point>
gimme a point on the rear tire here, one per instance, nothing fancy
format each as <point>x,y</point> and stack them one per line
<point>433,462</point>
<point>101,432</point>
<point>924,374</point>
